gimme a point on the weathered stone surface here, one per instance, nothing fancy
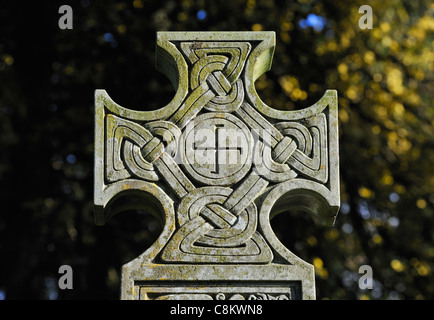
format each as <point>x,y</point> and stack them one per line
<point>215,165</point>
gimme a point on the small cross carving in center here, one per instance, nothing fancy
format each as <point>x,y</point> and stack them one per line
<point>222,143</point>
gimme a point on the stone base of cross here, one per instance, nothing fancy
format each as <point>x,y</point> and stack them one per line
<point>215,165</point>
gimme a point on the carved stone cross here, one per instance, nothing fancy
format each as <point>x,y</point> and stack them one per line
<point>216,164</point>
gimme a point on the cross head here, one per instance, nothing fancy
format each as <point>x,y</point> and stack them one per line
<point>215,165</point>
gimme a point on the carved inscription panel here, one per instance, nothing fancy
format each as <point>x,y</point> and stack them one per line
<point>219,291</point>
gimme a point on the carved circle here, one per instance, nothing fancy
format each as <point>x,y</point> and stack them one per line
<point>217,149</point>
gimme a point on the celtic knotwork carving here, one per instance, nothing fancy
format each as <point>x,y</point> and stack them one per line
<point>209,232</point>
<point>310,158</point>
<point>219,64</point>
<point>235,238</point>
<point>222,296</point>
<point>263,296</point>
<point>214,81</point>
<point>123,146</point>
<point>289,145</point>
<point>168,134</point>
<point>217,162</point>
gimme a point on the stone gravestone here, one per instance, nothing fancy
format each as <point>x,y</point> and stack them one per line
<point>215,165</point>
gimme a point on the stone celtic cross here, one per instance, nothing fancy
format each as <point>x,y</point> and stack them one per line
<point>215,164</point>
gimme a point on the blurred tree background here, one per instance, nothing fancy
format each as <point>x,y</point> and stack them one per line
<point>384,79</point>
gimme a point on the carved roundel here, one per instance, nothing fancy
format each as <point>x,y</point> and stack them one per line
<point>216,149</point>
